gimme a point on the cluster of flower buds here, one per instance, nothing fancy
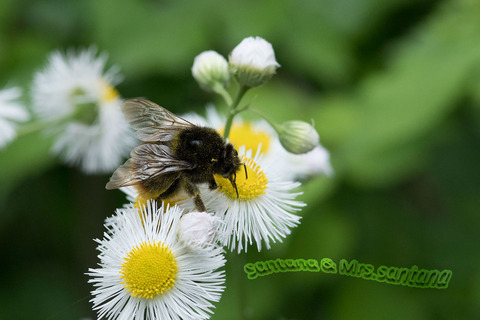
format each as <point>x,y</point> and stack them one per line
<point>252,63</point>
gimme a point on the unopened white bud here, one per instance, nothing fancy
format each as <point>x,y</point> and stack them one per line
<point>198,229</point>
<point>210,69</point>
<point>253,61</point>
<point>298,137</point>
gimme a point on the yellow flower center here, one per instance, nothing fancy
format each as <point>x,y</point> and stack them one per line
<point>109,92</point>
<point>245,135</point>
<point>148,270</point>
<point>254,186</point>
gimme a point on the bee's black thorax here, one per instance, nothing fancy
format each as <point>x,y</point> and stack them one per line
<point>206,149</point>
<point>198,145</point>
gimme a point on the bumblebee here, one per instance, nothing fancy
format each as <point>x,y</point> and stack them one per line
<point>174,155</point>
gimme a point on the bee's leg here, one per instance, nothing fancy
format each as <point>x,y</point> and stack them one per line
<point>193,191</point>
<point>212,184</point>
<point>199,205</point>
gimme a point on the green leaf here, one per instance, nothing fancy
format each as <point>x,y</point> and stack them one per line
<point>414,94</point>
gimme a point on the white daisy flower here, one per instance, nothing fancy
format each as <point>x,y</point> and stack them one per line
<point>264,210</point>
<point>305,166</point>
<point>259,134</point>
<point>11,113</point>
<point>197,229</point>
<point>75,87</point>
<point>146,273</point>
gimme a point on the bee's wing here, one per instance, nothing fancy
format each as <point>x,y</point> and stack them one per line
<point>147,161</point>
<point>152,122</point>
<point>123,176</point>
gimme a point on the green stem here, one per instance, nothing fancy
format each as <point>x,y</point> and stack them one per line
<point>228,124</point>
<point>237,262</point>
<point>233,110</point>
<point>32,127</point>
<point>40,125</point>
<point>224,93</point>
<point>274,125</point>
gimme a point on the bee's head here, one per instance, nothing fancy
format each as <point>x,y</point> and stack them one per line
<point>230,164</point>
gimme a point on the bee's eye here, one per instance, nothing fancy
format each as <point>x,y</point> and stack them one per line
<point>195,143</point>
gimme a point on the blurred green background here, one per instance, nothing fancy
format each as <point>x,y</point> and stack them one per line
<point>393,87</point>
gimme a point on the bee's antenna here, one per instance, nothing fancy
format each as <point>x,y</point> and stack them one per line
<point>245,167</point>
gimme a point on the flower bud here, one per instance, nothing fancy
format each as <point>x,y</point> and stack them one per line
<point>210,69</point>
<point>253,61</point>
<point>298,137</point>
<point>198,229</point>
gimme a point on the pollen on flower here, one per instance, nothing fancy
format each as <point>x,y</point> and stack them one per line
<point>171,202</point>
<point>149,270</point>
<point>141,202</point>
<point>109,92</point>
<point>254,186</point>
<point>245,135</point>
